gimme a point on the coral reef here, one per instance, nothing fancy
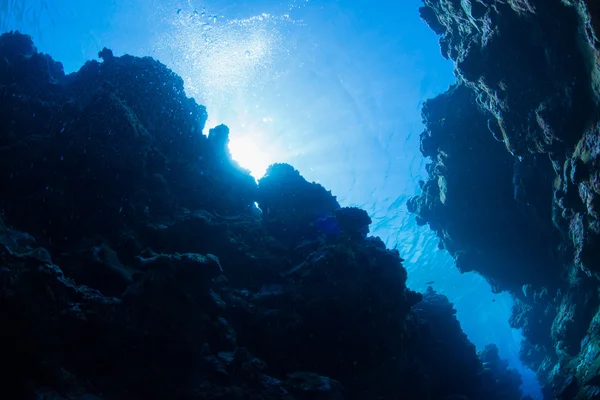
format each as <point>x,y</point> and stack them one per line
<point>441,335</point>
<point>475,199</point>
<point>513,190</point>
<point>135,263</point>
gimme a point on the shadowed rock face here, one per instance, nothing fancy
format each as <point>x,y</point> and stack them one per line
<point>513,181</point>
<point>135,265</point>
<point>478,198</point>
<point>525,66</point>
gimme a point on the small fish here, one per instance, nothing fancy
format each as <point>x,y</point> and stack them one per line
<point>430,283</point>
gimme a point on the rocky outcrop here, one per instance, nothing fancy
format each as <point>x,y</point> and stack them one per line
<point>450,373</point>
<point>503,379</point>
<point>134,263</point>
<point>477,199</point>
<point>512,189</point>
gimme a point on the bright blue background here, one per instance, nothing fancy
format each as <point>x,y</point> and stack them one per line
<point>332,87</point>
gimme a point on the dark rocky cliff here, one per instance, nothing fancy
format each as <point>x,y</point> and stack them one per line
<point>514,180</point>
<point>134,263</point>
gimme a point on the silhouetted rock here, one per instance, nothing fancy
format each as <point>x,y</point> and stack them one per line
<point>500,381</point>
<point>291,205</point>
<point>455,360</point>
<point>134,263</point>
<point>353,221</point>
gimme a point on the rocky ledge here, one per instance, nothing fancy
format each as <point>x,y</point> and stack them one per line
<point>514,180</point>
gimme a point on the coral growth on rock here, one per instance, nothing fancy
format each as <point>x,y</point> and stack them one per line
<point>513,183</point>
<point>135,264</point>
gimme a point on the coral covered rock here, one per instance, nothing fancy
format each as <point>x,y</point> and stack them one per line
<point>134,263</point>
<point>522,126</point>
<point>353,221</point>
<point>291,205</point>
<point>477,198</point>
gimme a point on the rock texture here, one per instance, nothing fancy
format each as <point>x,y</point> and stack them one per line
<point>134,263</point>
<point>513,188</point>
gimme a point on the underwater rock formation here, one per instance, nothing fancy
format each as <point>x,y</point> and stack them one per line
<point>513,187</point>
<point>134,263</point>
<point>452,372</point>
<point>474,201</point>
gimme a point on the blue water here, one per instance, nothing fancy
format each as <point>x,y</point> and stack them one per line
<point>333,88</point>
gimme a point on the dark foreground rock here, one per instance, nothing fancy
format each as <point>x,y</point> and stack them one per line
<point>513,189</point>
<point>134,263</point>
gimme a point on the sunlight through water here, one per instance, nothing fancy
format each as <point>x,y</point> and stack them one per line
<point>224,62</point>
<point>247,150</point>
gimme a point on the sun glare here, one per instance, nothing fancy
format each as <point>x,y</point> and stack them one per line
<point>224,63</point>
<point>249,154</point>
